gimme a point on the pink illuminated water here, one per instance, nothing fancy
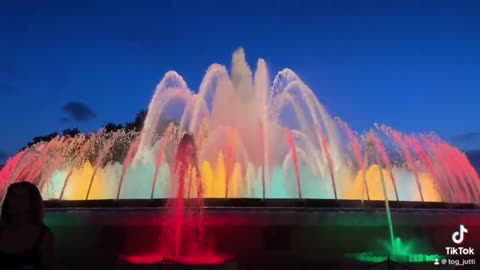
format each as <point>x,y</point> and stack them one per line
<point>406,152</point>
<point>386,160</point>
<point>328,157</point>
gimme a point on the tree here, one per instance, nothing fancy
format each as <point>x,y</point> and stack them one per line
<point>71,132</point>
<point>40,139</point>
<point>111,127</point>
<point>137,124</point>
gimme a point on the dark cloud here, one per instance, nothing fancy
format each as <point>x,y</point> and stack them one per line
<point>77,112</point>
<point>468,141</point>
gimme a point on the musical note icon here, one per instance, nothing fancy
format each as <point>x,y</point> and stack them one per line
<point>458,236</point>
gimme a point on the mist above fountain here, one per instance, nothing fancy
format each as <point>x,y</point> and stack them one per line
<point>255,139</point>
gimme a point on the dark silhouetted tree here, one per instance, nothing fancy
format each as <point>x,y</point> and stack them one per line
<point>111,127</point>
<point>137,124</point>
<point>71,132</point>
<point>40,139</point>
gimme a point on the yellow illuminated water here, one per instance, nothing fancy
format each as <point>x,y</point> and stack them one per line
<point>214,179</point>
<point>373,178</point>
<point>77,186</point>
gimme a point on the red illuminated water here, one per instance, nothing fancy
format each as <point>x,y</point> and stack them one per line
<point>8,170</point>
<point>194,259</point>
<point>385,158</point>
<point>326,153</point>
<point>357,153</point>
<point>423,156</point>
<point>406,152</point>
<point>184,239</point>
<point>445,168</point>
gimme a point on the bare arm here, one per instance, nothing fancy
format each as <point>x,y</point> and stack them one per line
<point>46,251</point>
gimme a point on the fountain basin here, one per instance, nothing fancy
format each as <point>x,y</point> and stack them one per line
<point>257,232</point>
<point>172,265</point>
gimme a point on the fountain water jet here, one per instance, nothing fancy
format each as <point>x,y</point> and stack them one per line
<point>291,141</point>
<point>410,162</point>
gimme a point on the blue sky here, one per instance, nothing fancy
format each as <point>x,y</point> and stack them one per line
<point>413,65</point>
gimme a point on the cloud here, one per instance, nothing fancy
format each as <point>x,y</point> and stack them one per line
<point>467,142</point>
<point>78,112</point>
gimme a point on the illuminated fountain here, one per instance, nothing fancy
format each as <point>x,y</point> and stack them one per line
<point>252,139</point>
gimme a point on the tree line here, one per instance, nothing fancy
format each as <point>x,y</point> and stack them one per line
<point>120,148</point>
<point>135,125</point>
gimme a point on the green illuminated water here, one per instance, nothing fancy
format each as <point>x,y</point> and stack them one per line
<point>395,249</point>
<point>389,215</point>
<point>400,251</point>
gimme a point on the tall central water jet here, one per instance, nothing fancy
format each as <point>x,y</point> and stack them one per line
<point>186,174</point>
<point>377,148</point>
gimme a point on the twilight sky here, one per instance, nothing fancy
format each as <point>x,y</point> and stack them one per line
<point>413,65</point>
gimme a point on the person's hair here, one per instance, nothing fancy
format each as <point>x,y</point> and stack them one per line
<point>35,199</point>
